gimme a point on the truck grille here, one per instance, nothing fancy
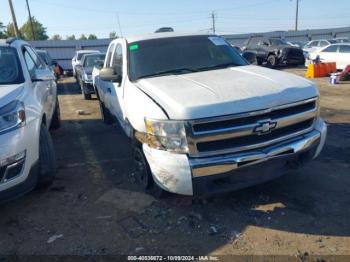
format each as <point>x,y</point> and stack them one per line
<point>253,130</point>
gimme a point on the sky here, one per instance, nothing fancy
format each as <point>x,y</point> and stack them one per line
<point>100,17</point>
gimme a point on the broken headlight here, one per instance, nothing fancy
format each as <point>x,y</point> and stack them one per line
<point>166,135</point>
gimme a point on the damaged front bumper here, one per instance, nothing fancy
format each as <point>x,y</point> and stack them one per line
<point>178,173</point>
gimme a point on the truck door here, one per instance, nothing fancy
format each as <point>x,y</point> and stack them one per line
<point>117,93</point>
<point>104,87</point>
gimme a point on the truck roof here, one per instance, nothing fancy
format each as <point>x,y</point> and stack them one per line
<point>138,38</point>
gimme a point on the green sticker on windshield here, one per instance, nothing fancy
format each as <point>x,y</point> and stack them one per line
<point>134,47</point>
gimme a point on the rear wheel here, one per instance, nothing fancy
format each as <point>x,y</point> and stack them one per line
<point>106,116</point>
<point>47,162</point>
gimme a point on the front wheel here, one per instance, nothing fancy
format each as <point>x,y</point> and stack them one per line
<point>271,60</point>
<point>56,118</point>
<point>47,160</point>
<point>87,96</point>
<point>141,174</point>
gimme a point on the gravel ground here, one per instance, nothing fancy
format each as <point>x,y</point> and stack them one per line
<point>92,209</point>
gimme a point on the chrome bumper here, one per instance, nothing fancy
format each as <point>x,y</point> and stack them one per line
<point>202,167</point>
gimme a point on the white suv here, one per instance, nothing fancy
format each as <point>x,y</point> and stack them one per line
<point>28,108</point>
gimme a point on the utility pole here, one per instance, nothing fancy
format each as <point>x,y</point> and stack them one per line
<point>213,20</point>
<point>31,20</point>
<point>14,19</point>
<point>296,15</point>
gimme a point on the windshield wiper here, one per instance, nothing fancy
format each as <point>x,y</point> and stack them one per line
<point>217,66</point>
<point>170,72</point>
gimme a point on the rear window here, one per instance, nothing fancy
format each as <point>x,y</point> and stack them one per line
<point>80,55</point>
<point>10,67</point>
<point>93,60</point>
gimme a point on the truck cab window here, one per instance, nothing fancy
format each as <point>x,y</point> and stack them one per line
<point>117,62</point>
<point>109,55</point>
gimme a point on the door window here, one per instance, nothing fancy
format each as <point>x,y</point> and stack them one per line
<point>38,61</point>
<point>314,43</point>
<point>331,49</point>
<point>109,55</point>
<point>31,66</point>
<point>344,49</point>
<point>253,43</point>
<point>323,43</point>
<point>117,62</point>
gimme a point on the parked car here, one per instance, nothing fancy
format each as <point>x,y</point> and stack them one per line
<point>201,119</point>
<point>84,73</point>
<point>274,51</point>
<point>55,67</point>
<point>76,60</point>
<point>164,30</point>
<point>342,40</point>
<point>317,44</point>
<point>338,53</point>
<point>28,109</point>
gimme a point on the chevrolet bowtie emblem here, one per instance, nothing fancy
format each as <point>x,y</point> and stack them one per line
<point>265,127</point>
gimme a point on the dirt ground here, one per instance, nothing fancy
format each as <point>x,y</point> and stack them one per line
<point>92,209</point>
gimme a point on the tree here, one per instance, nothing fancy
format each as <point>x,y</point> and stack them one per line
<point>83,37</point>
<point>70,37</point>
<point>113,35</point>
<point>56,37</point>
<point>2,30</point>
<point>10,30</point>
<point>92,37</point>
<point>39,30</point>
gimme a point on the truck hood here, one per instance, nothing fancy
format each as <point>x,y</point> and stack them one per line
<point>225,91</point>
<point>9,92</point>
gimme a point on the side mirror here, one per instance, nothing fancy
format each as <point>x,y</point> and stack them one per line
<point>43,75</point>
<point>108,74</point>
<point>265,43</point>
<point>250,57</point>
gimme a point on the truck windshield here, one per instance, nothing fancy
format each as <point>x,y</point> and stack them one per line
<point>10,68</point>
<point>180,55</point>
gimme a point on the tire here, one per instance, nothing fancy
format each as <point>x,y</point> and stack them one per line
<point>141,173</point>
<point>47,161</point>
<point>271,60</point>
<point>106,116</point>
<point>56,117</point>
<point>87,96</point>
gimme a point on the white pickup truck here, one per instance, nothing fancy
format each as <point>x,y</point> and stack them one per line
<point>201,119</point>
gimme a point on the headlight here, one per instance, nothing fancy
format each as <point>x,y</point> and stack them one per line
<point>166,135</point>
<point>12,116</point>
